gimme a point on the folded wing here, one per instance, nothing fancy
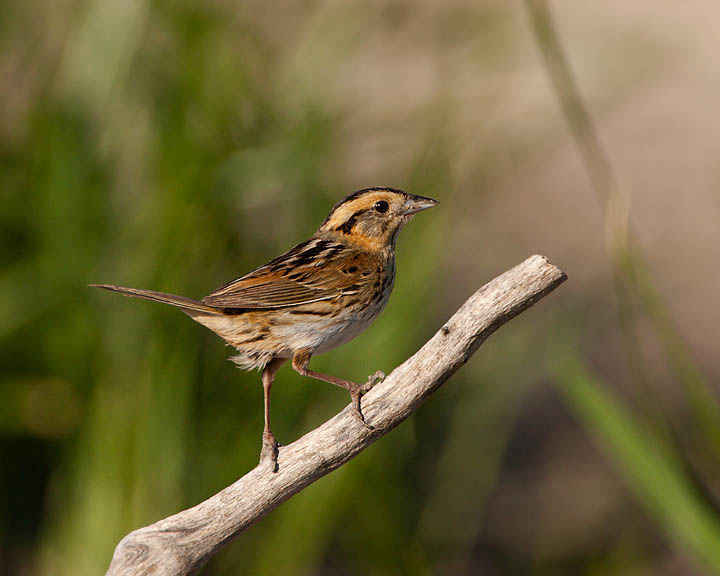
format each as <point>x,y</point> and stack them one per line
<point>311,272</point>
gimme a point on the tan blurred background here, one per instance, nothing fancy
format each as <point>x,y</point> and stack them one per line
<point>175,145</point>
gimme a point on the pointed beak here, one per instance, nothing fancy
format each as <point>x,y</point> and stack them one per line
<point>416,204</point>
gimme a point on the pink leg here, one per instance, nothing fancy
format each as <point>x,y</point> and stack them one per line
<point>300,361</point>
<point>269,450</point>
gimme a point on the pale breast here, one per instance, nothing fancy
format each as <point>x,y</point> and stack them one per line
<point>333,324</point>
<point>260,335</point>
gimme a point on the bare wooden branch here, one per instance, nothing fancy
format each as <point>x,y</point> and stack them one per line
<point>182,543</point>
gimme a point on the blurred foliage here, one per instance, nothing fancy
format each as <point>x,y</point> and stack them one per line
<point>175,146</point>
<point>655,473</point>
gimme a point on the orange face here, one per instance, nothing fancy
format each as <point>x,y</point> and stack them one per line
<point>372,217</point>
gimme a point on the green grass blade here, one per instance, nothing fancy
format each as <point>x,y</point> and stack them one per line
<point>651,471</point>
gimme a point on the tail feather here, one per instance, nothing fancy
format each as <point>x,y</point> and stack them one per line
<point>187,304</point>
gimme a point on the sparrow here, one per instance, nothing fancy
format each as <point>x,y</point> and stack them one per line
<point>317,296</point>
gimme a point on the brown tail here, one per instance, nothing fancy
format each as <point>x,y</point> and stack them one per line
<point>187,304</point>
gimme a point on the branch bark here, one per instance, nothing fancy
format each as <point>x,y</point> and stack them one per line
<point>182,543</point>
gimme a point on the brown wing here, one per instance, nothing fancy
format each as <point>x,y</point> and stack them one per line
<point>313,271</point>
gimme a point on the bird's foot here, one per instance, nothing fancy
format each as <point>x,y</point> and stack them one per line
<point>357,412</point>
<point>357,393</point>
<point>373,379</point>
<point>269,451</point>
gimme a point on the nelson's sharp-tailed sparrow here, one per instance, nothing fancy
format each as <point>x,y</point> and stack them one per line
<point>317,296</point>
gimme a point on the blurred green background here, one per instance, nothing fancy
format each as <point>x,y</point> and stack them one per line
<point>175,145</point>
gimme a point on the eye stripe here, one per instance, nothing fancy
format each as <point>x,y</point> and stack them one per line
<point>347,226</point>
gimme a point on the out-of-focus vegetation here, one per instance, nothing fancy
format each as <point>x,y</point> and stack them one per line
<point>176,145</point>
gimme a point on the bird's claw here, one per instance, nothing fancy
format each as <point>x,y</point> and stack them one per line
<point>356,410</point>
<point>373,379</point>
<point>358,415</point>
<point>269,451</point>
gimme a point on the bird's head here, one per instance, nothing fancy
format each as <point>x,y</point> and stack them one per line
<point>371,218</point>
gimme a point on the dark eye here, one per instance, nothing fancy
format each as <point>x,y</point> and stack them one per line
<point>381,206</point>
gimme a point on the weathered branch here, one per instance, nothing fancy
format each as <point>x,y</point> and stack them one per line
<point>182,543</point>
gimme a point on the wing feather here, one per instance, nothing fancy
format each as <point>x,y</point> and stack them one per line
<point>311,272</point>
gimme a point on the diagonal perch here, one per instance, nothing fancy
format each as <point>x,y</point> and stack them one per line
<point>182,543</point>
